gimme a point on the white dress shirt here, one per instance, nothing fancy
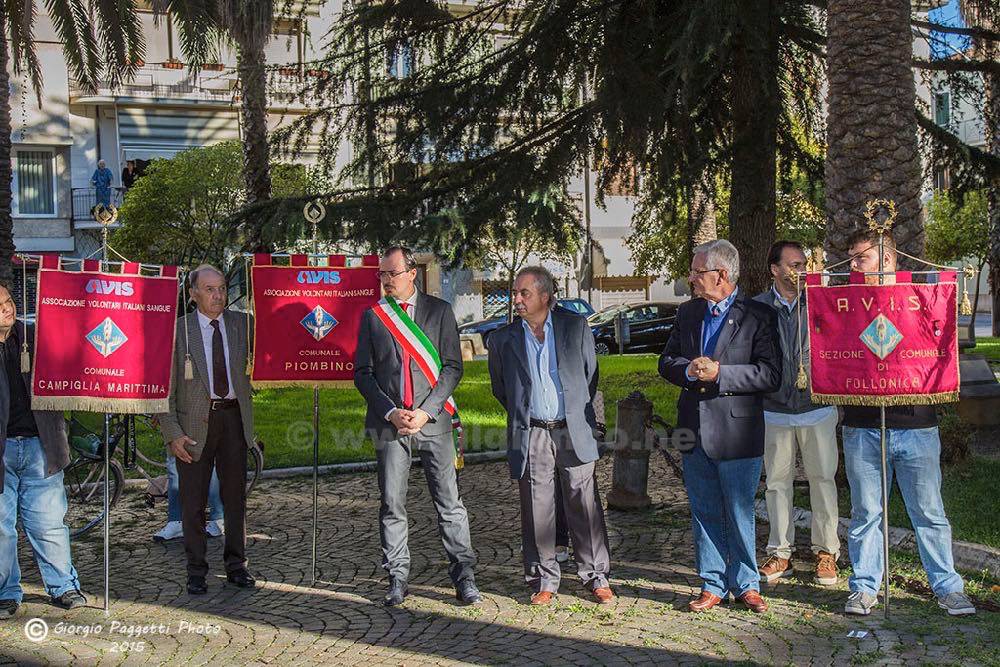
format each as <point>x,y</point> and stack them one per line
<point>207,331</point>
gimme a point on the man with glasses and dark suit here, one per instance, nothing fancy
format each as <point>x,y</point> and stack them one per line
<point>407,365</point>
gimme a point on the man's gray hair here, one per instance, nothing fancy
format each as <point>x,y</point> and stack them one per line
<point>204,268</point>
<point>544,279</point>
<point>721,254</point>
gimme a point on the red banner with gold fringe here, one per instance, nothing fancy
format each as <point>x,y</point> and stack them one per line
<point>883,344</point>
<point>103,341</point>
<point>307,318</point>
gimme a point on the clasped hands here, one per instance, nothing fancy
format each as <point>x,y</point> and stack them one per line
<point>408,422</point>
<point>703,369</point>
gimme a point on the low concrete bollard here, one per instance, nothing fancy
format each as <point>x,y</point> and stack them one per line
<point>633,445</point>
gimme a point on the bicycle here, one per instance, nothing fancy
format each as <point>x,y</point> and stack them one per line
<point>84,476</point>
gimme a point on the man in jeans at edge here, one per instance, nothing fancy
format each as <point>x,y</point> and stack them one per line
<point>791,419</point>
<point>913,450</point>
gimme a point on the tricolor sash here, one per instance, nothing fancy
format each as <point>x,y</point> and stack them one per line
<point>405,331</point>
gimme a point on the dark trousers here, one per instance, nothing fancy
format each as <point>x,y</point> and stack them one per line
<point>437,456</point>
<point>226,450</point>
<point>551,463</point>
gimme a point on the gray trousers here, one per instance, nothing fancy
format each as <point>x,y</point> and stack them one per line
<point>437,456</point>
<point>549,451</point>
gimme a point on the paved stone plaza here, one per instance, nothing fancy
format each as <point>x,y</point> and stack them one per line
<point>342,620</point>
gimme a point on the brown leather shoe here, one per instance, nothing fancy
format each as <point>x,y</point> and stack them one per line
<point>754,602</point>
<point>603,595</point>
<point>826,569</point>
<point>705,601</point>
<point>541,598</point>
<point>775,568</point>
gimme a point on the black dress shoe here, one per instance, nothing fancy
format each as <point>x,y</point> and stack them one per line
<point>241,578</point>
<point>70,600</point>
<point>197,585</point>
<point>467,592</point>
<point>397,592</point>
<point>8,608</point>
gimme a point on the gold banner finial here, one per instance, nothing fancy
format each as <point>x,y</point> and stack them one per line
<point>871,215</point>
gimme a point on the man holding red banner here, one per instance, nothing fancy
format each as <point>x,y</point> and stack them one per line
<point>913,454</point>
<point>209,424</point>
<point>407,365</point>
<point>34,450</point>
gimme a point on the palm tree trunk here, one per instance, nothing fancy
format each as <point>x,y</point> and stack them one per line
<point>6,182</point>
<point>755,106</point>
<point>872,148</point>
<point>253,111</point>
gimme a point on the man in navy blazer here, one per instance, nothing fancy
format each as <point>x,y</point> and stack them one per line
<point>543,370</point>
<point>724,355</point>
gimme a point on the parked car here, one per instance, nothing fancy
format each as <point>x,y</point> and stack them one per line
<point>497,317</point>
<point>648,327</point>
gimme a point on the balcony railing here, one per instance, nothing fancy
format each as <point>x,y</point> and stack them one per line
<point>212,86</point>
<point>85,199</point>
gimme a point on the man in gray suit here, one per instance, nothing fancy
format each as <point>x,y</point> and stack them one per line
<point>34,450</point>
<point>209,423</point>
<point>543,368</point>
<point>406,414</point>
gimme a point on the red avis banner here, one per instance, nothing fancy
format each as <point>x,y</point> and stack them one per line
<point>103,341</point>
<point>883,344</point>
<point>307,318</point>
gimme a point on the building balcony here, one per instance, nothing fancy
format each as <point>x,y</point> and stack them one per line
<point>175,83</point>
<point>84,201</point>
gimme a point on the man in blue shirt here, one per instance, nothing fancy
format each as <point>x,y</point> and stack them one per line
<point>543,369</point>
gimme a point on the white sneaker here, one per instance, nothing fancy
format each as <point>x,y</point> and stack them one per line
<point>562,554</point>
<point>171,531</point>
<point>956,604</point>
<point>216,528</point>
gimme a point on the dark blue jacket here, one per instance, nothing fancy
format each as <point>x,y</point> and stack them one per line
<point>726,416</point>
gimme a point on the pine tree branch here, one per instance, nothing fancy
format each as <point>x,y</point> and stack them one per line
<point>976,32</point>
<point>984,66</point>
<point>970,154</point>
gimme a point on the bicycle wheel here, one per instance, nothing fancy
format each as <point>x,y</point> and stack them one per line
<point>84,482</point>
<point>255,464</point>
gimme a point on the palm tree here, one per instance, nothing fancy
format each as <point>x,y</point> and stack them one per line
<point>247,24</point>
<point>872,150</point>
<point>102,40</point>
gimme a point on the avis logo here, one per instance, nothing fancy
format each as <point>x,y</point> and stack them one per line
<point>316,277</point>
<point>117,287</point>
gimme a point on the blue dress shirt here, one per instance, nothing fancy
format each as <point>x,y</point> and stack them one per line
<point>547,402</point>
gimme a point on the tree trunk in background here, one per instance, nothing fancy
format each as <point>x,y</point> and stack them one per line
<point>701,216</point>
<point>872,150</point>
<point>755,104</point>
<point>253,112</point>
<point>6,221</point>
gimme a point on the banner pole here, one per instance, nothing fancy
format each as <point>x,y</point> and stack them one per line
<point>883,445</point>
<point>314,212</point>
<point>106,216</point>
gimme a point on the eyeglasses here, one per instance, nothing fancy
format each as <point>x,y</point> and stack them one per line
<point>698,272</point>
<point>392,274</point>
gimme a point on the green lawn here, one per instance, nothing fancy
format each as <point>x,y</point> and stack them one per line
<point>989,347</point>
<point>283,417</point>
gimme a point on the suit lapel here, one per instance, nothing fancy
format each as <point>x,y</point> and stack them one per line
<point>698,317</point>
<point>730,327</point>
<point>560,330</point>
<point>196,348</point>
<point>517,343</point>
<point>237,347</point>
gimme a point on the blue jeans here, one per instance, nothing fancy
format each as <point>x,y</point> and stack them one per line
<point>41,502</point>
<point>721,495</point>
<point>913,455</point>
<point>173,493</point>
